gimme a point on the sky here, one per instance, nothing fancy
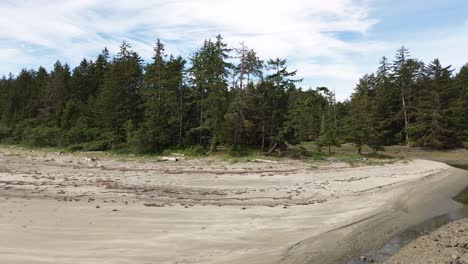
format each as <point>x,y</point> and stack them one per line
<point>331,43</point>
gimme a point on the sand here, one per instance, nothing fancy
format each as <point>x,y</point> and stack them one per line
<point>58,208</point>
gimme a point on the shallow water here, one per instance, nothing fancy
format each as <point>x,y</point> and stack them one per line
<point>460,166</point>
<point>412,233</point>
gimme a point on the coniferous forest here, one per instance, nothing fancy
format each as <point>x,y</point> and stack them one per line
<point>229,96</point>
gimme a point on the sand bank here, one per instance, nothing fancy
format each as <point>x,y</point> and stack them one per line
<point>72,209</point>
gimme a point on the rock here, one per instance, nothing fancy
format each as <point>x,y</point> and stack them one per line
<point>363,258</point>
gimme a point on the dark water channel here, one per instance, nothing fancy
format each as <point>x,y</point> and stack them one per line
<point>412,233</point>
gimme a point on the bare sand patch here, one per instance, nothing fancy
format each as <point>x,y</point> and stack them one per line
<point>72,209</point>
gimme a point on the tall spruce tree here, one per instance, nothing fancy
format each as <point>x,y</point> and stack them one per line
<point>281,84</point>
<point>361,123</point>
<point>431,125</point>
<point>209,74</point>
<point>459,114</point>
<point>119,99</point>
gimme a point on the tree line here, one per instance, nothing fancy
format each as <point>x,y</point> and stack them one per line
<point>228,96</point>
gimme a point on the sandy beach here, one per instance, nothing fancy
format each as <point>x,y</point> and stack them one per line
<point>84,208</point>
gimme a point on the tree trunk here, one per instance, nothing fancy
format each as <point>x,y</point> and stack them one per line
<point>181,108</point>
<point>263,134</point>
<point>405,113</point>
<point>201,114</point>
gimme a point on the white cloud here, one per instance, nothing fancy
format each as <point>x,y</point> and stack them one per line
<point>300,30</point>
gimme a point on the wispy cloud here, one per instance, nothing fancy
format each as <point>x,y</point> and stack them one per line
<point>309,33</point>
<point>299,30</point>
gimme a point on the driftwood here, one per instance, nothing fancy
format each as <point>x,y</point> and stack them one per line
<point>221,172</point>
<point>272,148</point>
<point>169,159</point>
<point>265,161</point>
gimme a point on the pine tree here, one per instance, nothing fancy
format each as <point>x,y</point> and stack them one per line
<point>401,80</point>
<point>304,116</point>
<point>281,84</point>
<point>431,126</point>
<point>209,74</point>
<point>236,119</point>
<point>163,104</point>
<point>388,104</point>
<point>57,90</point>
<point>329,125</point>
<point>459,114</point>
<point>118,101</point>
<point>361,123</point>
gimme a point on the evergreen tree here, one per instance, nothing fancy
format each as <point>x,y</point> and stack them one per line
<point>222,99</point>
<point>235,120</point>
<point>304,116</point>
<point>209,74</point>
<point>402,80</point>
<point>119,100</point>
<point>57,90</point>
<point>361,123</point>
<point>459,114</point>
<point>431,126</point>
<point>388,105</point>
<point>163,104</point>
<point>329,125</point>
<point>281,84</point>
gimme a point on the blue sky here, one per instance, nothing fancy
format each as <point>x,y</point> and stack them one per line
<point>331,43</point>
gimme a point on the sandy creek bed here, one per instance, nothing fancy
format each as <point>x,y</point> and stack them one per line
<point>70,209</point>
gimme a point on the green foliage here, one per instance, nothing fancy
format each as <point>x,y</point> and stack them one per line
<point>304,116</point>
<point>241,151</point>
<point>119,98</point>
<point>361,122</point>
<point>229,97</point>
<point>191,151</point>
<point>42,136</point>
<point>5,131</point>
<point>431,126</point>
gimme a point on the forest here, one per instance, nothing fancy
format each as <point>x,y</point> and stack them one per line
<point>223,96</point>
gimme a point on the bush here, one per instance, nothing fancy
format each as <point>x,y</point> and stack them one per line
<point>241,151</point>
<point>98,145</point>
<point>192,137</point>
<point>77,135</point>
<point>192,151</point>
<point>5,132</point>
<point>42,136</point>
<point>73,148</point>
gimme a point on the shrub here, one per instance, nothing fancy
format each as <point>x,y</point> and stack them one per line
<point>5,131</point>
<point>42,136</point>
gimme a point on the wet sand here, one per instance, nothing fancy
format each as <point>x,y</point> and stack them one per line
<point>77,209</point>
